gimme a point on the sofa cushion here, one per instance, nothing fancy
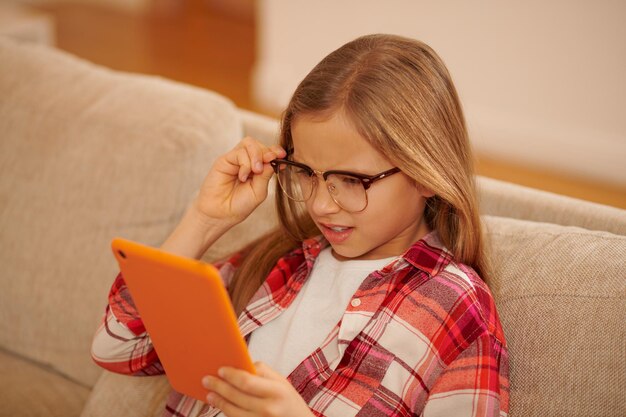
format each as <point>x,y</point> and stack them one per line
<point>88,154</point>
<point>561,296</point>
<point>27,389</point>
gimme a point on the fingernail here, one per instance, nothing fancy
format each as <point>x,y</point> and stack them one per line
<point>258,166</point>
<point>220,372</point>
<point>205,381</point>
<point>210,398</point>
<point>244,178</point>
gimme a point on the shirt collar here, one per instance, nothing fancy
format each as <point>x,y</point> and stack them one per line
<point>427,254</point>
<point>312,248</point>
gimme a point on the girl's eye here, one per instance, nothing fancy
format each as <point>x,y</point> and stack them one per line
<point>350,180</point>
<point>301,172</point>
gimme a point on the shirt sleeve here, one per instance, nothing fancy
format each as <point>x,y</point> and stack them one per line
<point>474,384</point>
<point>121,343</point>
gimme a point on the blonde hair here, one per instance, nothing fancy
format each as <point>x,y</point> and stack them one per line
<point>398,95</point>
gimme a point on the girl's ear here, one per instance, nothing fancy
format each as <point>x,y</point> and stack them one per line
<point>425,192</point>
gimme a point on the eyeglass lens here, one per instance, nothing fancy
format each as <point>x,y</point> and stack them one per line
<point>347,191</point>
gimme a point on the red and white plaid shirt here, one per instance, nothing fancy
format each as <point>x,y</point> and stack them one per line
<point>423,339</point>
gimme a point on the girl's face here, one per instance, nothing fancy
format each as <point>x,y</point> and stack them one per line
<point>393,218</point>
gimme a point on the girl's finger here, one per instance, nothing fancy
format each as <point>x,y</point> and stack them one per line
<point>228,163</point>
<point>259,182</point>
<point>254,385</point>
<point>273,152</point>
<point>229,393</point>
<point>279,151</point>
<point>249,156</point>
<point>243,160</point>
<point>255,153</point>
<point>230,409</point>
<point>269,156</point>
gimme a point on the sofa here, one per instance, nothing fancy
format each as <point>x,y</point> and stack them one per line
<point>88,154</point>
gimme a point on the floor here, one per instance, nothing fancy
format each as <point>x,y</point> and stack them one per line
<point>213,46</point>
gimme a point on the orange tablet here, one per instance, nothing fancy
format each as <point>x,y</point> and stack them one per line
<point>187,313</point>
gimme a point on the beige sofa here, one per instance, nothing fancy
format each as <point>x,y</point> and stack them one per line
<point>87,154</point>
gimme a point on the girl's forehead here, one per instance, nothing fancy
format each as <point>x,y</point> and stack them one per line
<point>333,143</point>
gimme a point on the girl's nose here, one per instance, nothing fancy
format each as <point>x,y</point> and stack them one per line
<point>321,202</point>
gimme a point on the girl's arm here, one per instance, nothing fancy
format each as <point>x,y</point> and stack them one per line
<point>121,343</point>
<point>235,185</point>
<point>233,188</point>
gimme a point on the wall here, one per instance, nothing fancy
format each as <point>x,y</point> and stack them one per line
<point>542,83</point>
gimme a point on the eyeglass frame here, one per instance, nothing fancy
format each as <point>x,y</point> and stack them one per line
<point>366,180</point>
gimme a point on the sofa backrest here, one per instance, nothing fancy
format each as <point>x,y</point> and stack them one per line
<point>499,198</point>
<point>88,154</point>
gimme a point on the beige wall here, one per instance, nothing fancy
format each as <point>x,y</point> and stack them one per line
<point>542,83</point>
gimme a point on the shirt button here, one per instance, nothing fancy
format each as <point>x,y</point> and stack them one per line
<point>355,302</point>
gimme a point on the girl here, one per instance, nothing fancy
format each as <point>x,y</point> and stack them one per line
<point>368,299</point>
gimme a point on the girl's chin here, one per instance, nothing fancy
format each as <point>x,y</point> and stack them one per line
<point>350,253</point>
<point>341,257</point>
<point>346,253</point>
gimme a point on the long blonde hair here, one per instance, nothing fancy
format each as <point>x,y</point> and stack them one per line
<point>399,95</point>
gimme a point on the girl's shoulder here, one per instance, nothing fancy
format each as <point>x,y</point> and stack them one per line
<point>443,277</point>
<point>463,295</point>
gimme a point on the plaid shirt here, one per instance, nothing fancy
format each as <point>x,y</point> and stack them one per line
<point>420,337</point>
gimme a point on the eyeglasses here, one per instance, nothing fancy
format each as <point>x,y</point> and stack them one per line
<point>347,189</point>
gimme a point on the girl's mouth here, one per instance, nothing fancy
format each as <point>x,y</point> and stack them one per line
<point>334,233</point>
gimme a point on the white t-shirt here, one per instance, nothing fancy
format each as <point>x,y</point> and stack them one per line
<point>286,341</point>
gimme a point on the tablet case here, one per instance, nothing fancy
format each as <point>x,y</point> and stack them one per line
<point>187,313</point>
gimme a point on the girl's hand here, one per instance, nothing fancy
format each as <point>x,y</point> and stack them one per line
<point>239,393</point>
<point>237,182</point>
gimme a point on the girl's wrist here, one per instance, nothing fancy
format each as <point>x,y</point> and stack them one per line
<point>207,224</point>
<point>195,233</point>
